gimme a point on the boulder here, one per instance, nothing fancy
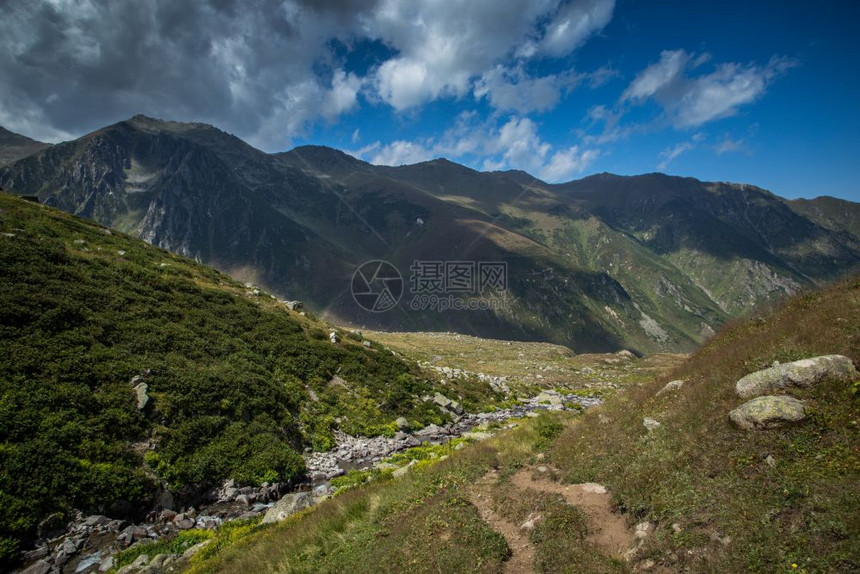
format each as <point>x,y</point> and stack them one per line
<point>402,423</point>
<point>184,522</point>
<point>441,400</point>
<point>650,424</point>
<point>40,567</point>
<point>51,526</point>
<point>768,412</point>
<point>287,506</point>
<point>803,373</point>
<point>142,397</point>
<point>548,397</point>
<point>671,386</point>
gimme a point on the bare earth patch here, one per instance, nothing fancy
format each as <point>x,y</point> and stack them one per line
<point>522,551</point>
<point>610,531</point>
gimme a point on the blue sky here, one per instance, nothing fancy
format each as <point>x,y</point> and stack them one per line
<point>755,92</point>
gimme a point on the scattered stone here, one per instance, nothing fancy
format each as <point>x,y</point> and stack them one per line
<point>768,412</point>
<point>670,387</point>
<point>333,337</point>
<point>40,552</point>
<point>51,526</point>
<point>402,423</point>
<point>293,305</point>
<point>142,397</point>
<point>69,547</point>
<point>106,564</point>
<point>404,469</point>
<point>287,506</point>
<point>549,397</point>
<point>183,521</point>
<point>191,552</point>
<point>676,528</point>
<point>366,344</point>
<point>646,565</point>
<point>88,562</point>
<point>803,373</point>
<point>593,488</point>
<point>531,521</point>
<point>770,461</point>
<point>644,530</point>
<point>40,567</point>
<point>650,424</point>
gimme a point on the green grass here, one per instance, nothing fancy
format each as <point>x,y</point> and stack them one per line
<point>176,545</point>
<point>231,375</point>
<point>421,523</point>
<point>732,511</point>
<point>713,480</point>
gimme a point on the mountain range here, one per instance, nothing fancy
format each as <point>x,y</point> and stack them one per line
<point>649,263</point>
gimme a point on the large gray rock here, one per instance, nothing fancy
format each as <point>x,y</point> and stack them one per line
<point>803,373</point>
<point>142,397</point>
<point>287,506</point>
<point>768,412</point>
<point>40,567</point>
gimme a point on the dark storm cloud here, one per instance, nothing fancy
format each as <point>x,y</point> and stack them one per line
<point>73,65</point>
<point>266,69</point>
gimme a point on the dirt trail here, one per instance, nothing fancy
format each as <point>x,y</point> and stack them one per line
<point>611,533</point>
<point>522,551</point>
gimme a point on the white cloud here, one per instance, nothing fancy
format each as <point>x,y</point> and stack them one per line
<point>657,76</point>
<point>690,101</point>
<point>516,144</point>
<point>401,153</point>
<point>731,145</point>
<point>441,52</point>
<point>270,73</point>
<point>668,155</point>
<point>565,164</point>
<point>574,24</point>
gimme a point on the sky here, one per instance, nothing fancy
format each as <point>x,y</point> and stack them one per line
<point>758,92</point>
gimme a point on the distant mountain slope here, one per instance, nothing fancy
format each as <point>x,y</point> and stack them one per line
<point>649,262</point>
<point>15,146</point>
<point>233,383</point>
<point>830,212</point>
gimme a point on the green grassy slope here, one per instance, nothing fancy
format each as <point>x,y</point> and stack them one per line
<point>735,511</point>
<point>717,502</point>
<point>237,383</point>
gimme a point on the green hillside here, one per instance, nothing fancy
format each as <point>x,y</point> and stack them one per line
<point>237,384</point>
<point>694,494</point>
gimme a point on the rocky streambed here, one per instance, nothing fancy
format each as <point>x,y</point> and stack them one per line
<point>88,544</point>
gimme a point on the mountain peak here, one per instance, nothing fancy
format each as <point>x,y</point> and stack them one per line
<point>14,146</point>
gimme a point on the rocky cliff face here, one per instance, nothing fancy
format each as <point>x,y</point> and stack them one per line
<point>648,262</point>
